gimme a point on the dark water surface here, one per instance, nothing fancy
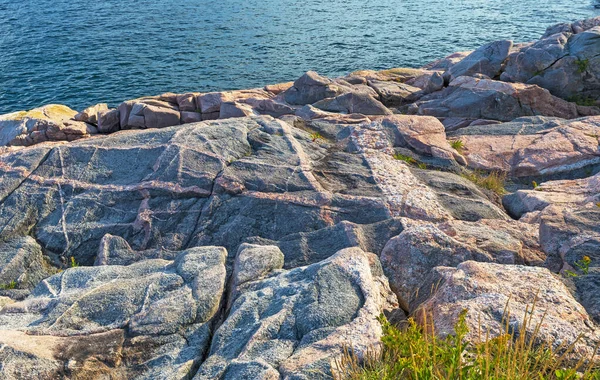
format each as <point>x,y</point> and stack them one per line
<point>81,52</point>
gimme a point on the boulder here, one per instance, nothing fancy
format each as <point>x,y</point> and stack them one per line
<point>430,81</point>
<point>473,98</point>
<point>311,88</point>
<point>394,94</point>
<point>487,290</point>
<point>148,320</point>
<point>564,61</point>
<point>187,102</point>
<point>190,117</point>
<point>447,62</point>
<point>397,74</point>
<point>311,113</point>
<point>109,121</point>
<point>424,134</point>
<point>352,102</point>
<point>295,323</point>
<point>90,114</point>
<point>409,258</point>
<point>235,109</point>
<point>278,88</point>
<point>158,116</point>
<point>568,234</point>
<point>17,128</point>
<point>486,60</point>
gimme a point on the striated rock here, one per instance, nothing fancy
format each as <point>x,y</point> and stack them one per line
<point>350,103</point>
<point>533,146</point>
<point>487,60</point>
<point>409,258</point>
<point>90,114</point>
<point>148,320</point>
<point>485,290</point>
<point>473,98</point>
<point>293,324</point>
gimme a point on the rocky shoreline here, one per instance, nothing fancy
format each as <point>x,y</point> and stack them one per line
<point>257,233</point>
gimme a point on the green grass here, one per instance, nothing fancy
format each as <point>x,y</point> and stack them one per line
<point>405,158</point>
<point>493,181</point>
<point>315,136</point>
<point>457,145</point>
<point>582,65</point>
<point>414,353</point>
<point>73,263</point>
<point>10,285</point>
<point>582,101</point>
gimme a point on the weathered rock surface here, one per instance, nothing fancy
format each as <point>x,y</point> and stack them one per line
<point>585,191</point>
<point>565,61</point>
<point>473,98</point>
<point>485,290</point>
<point>293,324</point>
<point>90,114</point>
<point>22,266</point>
<point>409,258</point>
<point>529,147</point>
<point>487,60</point>
<point>148,320</point>
<point>49,123</point>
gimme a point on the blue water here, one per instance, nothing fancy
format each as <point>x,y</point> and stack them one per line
<point>81,52</point>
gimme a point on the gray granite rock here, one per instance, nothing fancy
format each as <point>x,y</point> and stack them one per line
<point>486,60</point>
<point>148,320</point>
<point>293,324</point>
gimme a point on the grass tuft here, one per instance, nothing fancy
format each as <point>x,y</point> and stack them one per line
<point>457,145</point>
<point>73,263</point>
<point>582,65</point>
<point>405,158</point>
<point>10,285</point>
<point>493,181</point>
<point>315,136</point>
<point>416,353</point>
<point>582,101</point>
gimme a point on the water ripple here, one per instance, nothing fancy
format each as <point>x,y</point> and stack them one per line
<point>80,52</point>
